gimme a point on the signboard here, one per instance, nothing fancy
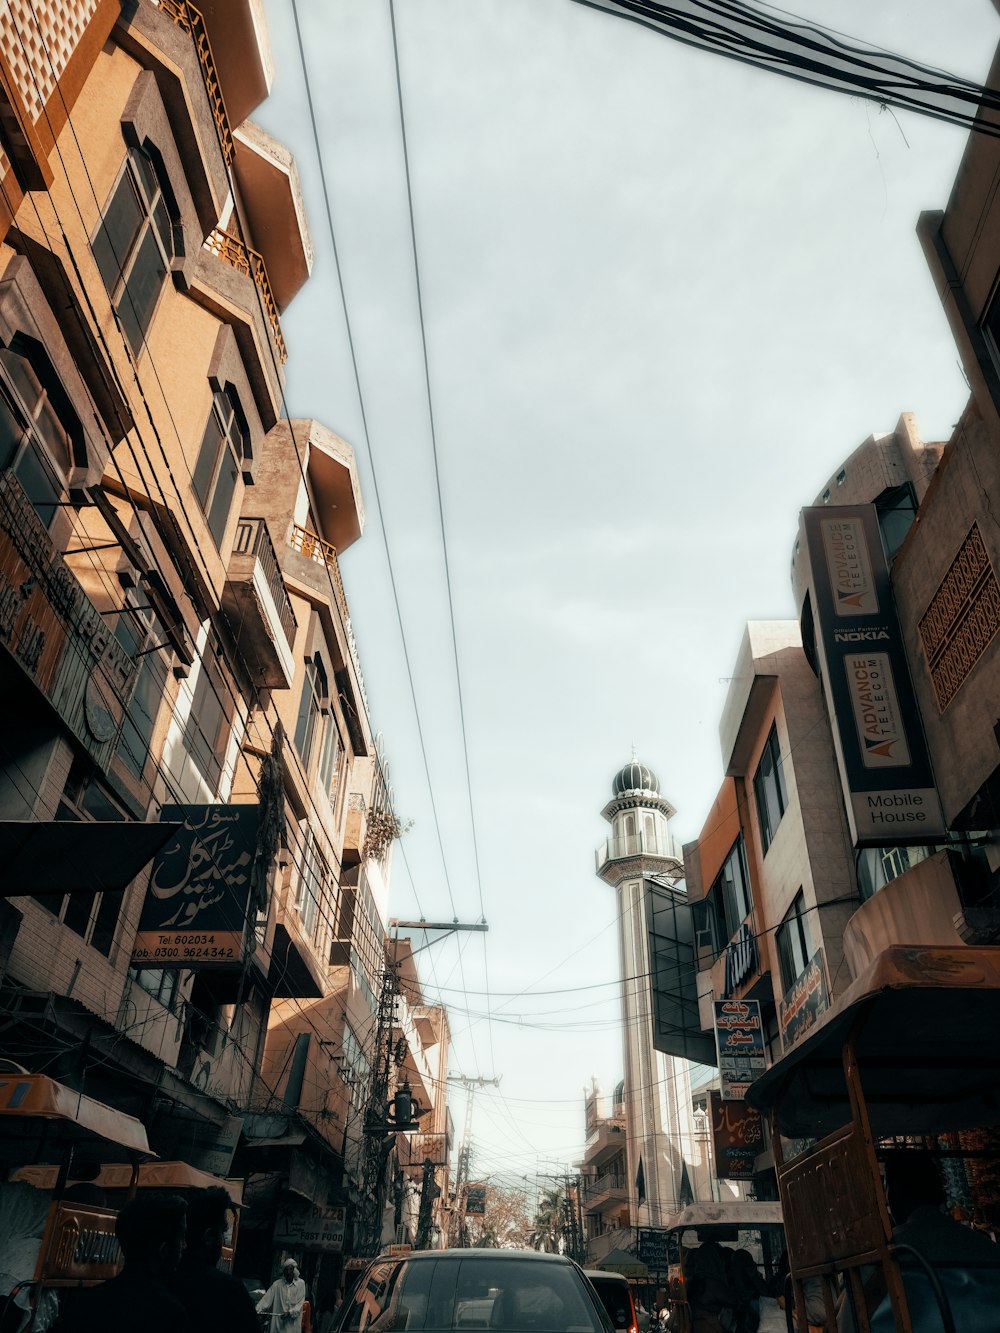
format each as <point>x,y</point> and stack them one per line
<point>196,902</point>
<point>79,1245</point>
<point>737,1138</point>
<point>804,1002</point>
<point>652,1250</point>
<point>309,1227</point>
<point>475,1200</point>
<point>882,756</point>
<point>739,1039</point>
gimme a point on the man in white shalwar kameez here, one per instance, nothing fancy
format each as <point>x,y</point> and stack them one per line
<point>284,1299</point>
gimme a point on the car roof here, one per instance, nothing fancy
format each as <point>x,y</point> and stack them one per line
<point>606,1276</point>
<point>477,1255</point>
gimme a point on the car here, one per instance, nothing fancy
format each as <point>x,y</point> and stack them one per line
<point>517,1291</point>
<point>616,1297</point>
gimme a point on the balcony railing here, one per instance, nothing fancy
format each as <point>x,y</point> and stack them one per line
<point>323,553</point>
<point>242,257</point>
<point>635,844</point>
<point>186,16</point>
<point>314,548</point>
<point>253,538</point>
<point>602,1186</point>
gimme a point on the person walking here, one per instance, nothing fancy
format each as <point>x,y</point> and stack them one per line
<point>150,1231</point>
<point>284,1300</point>
<point>216,1302</point>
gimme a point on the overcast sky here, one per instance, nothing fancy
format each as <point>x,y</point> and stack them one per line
<point>665,296</point>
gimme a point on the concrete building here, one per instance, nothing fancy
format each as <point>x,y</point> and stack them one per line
<point>604,1189</point>
<point>663,1170</point>
<point>197,820</point>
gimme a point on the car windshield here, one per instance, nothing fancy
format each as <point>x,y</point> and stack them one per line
<point>515,1295</point>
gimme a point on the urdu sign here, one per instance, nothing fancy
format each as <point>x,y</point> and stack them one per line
<point>739,1039</point>
<point>197,899</point>
<point>882,756</point>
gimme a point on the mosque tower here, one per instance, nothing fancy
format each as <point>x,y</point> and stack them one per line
<point>639,860</point>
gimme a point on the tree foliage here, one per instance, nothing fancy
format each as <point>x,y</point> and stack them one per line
<point>506,1224</point>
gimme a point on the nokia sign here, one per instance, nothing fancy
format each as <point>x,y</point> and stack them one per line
<point>884,766</point>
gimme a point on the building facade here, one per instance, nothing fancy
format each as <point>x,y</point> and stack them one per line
<point>196,816</point>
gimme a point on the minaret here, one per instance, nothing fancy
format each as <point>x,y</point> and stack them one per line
<point>640,855</point>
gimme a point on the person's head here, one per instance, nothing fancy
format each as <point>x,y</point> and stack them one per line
<point>289,1270</point>
<point>208,1215</point>
<point>150,1230</point>
<point>911,1181</point>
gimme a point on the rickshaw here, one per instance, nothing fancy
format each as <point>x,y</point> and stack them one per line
<point>735,1224</point>
<point>909,1053</point>
<point>55,1241</point>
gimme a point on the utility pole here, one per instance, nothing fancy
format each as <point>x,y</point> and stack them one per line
<point>457,1232</point>
<point>388,1112</point>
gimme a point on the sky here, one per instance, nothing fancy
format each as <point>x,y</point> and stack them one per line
<point>665,295</point>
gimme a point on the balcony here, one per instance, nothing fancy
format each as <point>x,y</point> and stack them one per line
<point>321,552</point>
<point>186,16</point>
<point>356,828</point>
<point>918,908</point>
<point>272,199</point>
<point>258,607</point>
<point>241,257</point>
<point>297,969</point>
<point>238,33</point>
<point>607,1140</point>
<point>635,845</point>
<point>604,1191</point>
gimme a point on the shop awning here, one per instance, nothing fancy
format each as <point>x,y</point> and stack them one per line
<point>75,856</point>
<point>68,1117</point>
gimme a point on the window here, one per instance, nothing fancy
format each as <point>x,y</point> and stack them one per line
<point>34,442</point>
<point>841,476</point>
<point>896,508</point>
<point>220,462</point>
<point>769,788</point>
<point>206,734</point>
<point>161,984</point>
<point>314,699</point>
<point>330,756</point>
<point>92,916</point>
<point>134,244</point>
<point>313,878</point>
<point>732,889</point>
<point>792,939</point>
<point>138,631</point>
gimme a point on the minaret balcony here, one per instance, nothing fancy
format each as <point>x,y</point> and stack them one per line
<point>630,845</point>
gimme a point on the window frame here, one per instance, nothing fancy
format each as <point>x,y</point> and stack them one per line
<point>33,441</point>
<point>104,909</point>
<point>793,930</point>
<point>208,686</point>
<point>770,754</point>
<point>157,217</point>
<point>231,443</point>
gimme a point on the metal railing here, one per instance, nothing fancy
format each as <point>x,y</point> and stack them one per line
<point>314,548</point>
<point>636,844</point>
<point>253,538</point>
<point>242,257</point>
<point>186,16</point>
<point>593,1189</point>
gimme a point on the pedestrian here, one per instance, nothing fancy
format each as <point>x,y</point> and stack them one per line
<point>284,1299</point>
<point>215,1301</point>
<point>150,1231</point>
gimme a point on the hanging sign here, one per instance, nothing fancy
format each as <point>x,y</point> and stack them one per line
<point>804,1002</point>
<point>739,1040</point>
<point>196,903</point>
<point>475,1200</point>
<point>885,769</point>
<point>737,1138</point>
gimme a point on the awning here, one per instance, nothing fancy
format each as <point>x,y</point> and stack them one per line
<point>926,1022</point>
<point>75,855</point>
<point>69,1117</point>
<point>152,1175</point>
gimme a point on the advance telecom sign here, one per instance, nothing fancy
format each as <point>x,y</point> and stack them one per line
<point>881,752</point>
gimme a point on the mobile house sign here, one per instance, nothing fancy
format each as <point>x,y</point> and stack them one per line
<point>885,769</point>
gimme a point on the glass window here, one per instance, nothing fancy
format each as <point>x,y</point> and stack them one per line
<point>133,246</point>
<point>731,890</point>
<point>33,440</point>
<point>161,984</point>
<point>92,916</point>
<point>137,632</point>
<point>769,789</point>
<point>793,943</point>
<point>313,875</point>
<point>207,731</point>
<point>220,460</point>
<point>896,509</point>
<point>309,723</point>
<point>329,765</point>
